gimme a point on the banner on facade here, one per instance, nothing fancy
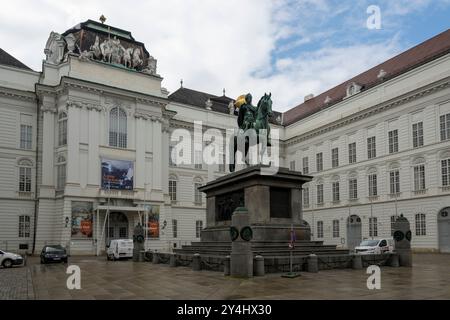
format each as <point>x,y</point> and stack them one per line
<point>117,174</point>
<point>82,220</point>
<point>153,221</point>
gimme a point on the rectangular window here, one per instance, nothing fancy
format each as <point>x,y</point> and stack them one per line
<point>393,141</point>
<point>305,197</point>
<point>172,157</point>
<point>319,162</point>
<point>197,194</point>
<point>373,227</point>
<point>222,164</point>
<point>336,193</point>
<point>335,228</point>
<point>319,229</point>
<point>26,134</point>
<point>417,134</point>
<point>198,160</point>
<point>373,190</point>
<point>62,130</point>
<point>445,126</point>
<point>445,172</point>
<point>198,228</point>
<point>175,228</point>
<point>421,228</point>
<point>173,190</point>
<point>25,179</point>
<point>352,153</point>
<point>24,226</point>
<point>61,177</point>
<point>335,157</point>
<point>419,178</point>
<point>353,189</point>
<point>305,165</point>
<point>292,165</point>
<point>320,194</point>
<point>394,181</point>
<point>371,148</point>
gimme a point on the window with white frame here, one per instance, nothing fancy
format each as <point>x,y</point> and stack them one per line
<point>335,228</point>
<point>198,228</point>
<point>373,189</point>
<point>320,194</point>
<point>305,197</point>
<point>172,157</point>
<point>173,189</point>
<point>25,175</point>
<point>319,229</point>
<point>197,194</point>
<point>292,165</point>
<point>352,153</point>
<point>305,161</point>
<point>26,136</point>
<point>394,181</point>
<point>335,157</point>
<point>24,226</point>
<point>61,173</point>
<point>419,177</point>
<point>373,227</point>
<point>421,226</point>
<point>445,172</point>
<point>118,128</point>
<point>445,126</point>
<point>417,129</point>
<point>353,188</point>
<point>319,162</point>
<point>174,228</point>
<point>371,148</point>
<point>393,141</point>
<point>336,193</point>
<point>198,159</point>
<point>62,129</point>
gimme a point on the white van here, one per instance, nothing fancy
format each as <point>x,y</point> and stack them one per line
<point>375,246</point>
<point>120,249</point>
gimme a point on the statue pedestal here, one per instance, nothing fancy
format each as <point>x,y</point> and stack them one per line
<point>274,204</point>
<point>241,250</point>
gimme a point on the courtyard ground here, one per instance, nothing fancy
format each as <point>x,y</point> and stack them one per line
<point>100,279</point>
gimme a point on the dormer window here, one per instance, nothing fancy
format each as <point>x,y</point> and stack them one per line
<point>353,88</point>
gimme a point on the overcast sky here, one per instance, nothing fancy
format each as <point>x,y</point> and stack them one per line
<point>288,47</point>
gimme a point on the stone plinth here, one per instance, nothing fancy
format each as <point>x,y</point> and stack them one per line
<point>241,249</point>
<point>273,203</point>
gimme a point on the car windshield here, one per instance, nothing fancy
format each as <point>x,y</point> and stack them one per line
<point>55,249</point>
<point>369,243</point>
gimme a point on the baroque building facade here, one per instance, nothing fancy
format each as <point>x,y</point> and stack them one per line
<point>85,145</point>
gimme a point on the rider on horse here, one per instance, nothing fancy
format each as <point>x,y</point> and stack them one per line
<point>247,112</point>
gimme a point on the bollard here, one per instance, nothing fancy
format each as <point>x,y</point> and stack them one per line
<point>196,262</point>
<point>394,260</point>
<point>155,259</point>
<point>357,262</point>
<point>226,266</point>
<point>173,260</point>
<point>142,256</point>
<point>259,270</point>
<point>313,263</point>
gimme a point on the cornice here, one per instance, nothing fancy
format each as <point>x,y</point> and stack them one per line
<point>17,94</point>
<point>85,105</point>
<point>358,116</point>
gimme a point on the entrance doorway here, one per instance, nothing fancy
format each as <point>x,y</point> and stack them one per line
<point>444,230</point>
<point>117,227</point>
<point>354,232</point>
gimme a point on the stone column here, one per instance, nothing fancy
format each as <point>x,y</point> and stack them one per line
<point>48,147</point>
<point>94,142</point>
<point>241,250</point>
<point>140,153</point>
<point>157,155</point>
<point>73,143</point>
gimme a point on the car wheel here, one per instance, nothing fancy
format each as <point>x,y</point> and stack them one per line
<point>7,263</point>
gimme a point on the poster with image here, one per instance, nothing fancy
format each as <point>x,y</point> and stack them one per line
<point>153,220</point>
<point>82,220</point>
<point>117,174</point>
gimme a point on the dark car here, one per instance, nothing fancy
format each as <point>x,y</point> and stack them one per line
<point>53,254</point>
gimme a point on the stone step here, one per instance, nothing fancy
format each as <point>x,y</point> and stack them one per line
<point>285,251</point>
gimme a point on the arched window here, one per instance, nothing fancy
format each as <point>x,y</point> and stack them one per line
<point>173,188</point>
<point>118,128</point>
<point>61,173</point>
<point>62,129</point>
<point>25,175</point>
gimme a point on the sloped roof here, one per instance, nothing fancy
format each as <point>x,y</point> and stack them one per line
<point>404,62</point>
<point>8,60</point>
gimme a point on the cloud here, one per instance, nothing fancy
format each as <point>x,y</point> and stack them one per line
<point>291,48</point>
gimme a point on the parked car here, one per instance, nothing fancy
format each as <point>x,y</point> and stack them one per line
<point>120,249</point>
<point>53,253</point>
<point>8,259</point>
<point>375,246</point>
